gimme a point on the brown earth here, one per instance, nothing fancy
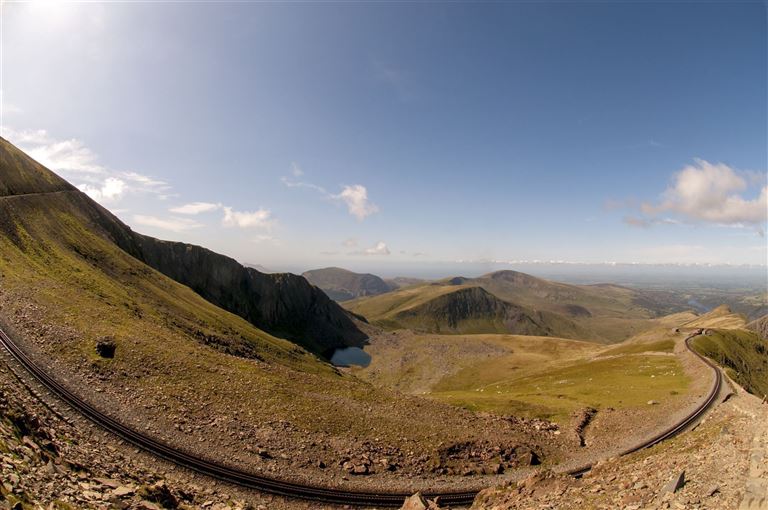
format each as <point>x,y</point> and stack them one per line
<point>724,460</point>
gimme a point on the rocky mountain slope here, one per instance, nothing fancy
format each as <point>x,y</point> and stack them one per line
<point>284,305</point>
<point>342,285</point>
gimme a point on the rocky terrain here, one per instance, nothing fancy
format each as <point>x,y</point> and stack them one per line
<point>722,464</point>
<point>51,458</point>
<point>342,285</point>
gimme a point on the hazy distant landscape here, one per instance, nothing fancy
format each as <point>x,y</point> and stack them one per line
<point>424,256</point>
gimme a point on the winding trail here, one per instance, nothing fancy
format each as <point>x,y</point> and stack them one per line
<point>295,490</point>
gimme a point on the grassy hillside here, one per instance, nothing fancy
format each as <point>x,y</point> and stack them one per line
<point>742,354</point>
<point>185,370</point>
<point>760,326</point>
<point>720,317</point>
<point>603,313</point>
<point>555,392</point>
<point>454,307</point>
<point>21,174</point>
<point>529,375</point>
<point>430,358</point>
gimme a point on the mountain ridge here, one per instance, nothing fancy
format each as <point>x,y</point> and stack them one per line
<point>342,285</point>
<point>281,304</point>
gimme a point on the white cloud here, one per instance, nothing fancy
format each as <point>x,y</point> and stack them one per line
<point>712,193</point>
<point>173,224</point>
<point>350,242</point>
<point>146,181</point>
<point>195,208</point>
<point>75,161</point>
<point>266,239</point>
<point>636,221</point>
<point>379,248</point>
<point>291,183</point>
<point>255,219</point>
<point>232,218</point>
<point>66,156</point>
<point>111,190</point>
<point>356,198</point>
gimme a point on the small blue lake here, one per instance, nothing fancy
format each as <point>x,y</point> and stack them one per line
<point>349,356</point>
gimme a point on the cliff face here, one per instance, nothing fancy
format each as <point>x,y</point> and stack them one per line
<point>282,304</point>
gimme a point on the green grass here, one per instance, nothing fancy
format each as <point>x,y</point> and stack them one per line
<point>385,307</point>
<point>555,392</point>
<point>667,345</point>
<point>743,355</point>
<point>414,363</point>
<point>180,353</point>
<point>615,316</point>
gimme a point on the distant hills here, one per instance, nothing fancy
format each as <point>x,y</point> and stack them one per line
<point>343,285</point>
<point>512,302</point>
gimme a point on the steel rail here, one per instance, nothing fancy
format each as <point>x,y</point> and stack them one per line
<point>685,422</point>
<point>292,489</point>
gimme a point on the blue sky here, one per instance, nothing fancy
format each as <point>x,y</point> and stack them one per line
<point>398,135</point>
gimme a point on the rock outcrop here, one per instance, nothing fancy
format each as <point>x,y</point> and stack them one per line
<point>283,304</point>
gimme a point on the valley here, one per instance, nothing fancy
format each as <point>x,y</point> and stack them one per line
<point>472,382</point>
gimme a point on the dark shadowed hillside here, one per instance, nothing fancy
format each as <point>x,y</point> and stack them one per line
<point>475,310</point>
<point>342,285</point>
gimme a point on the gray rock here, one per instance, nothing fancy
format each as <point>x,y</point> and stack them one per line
<point>676,483</point>
<point>123,491</point>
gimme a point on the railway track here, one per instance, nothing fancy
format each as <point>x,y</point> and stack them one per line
<point>290,489</point>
